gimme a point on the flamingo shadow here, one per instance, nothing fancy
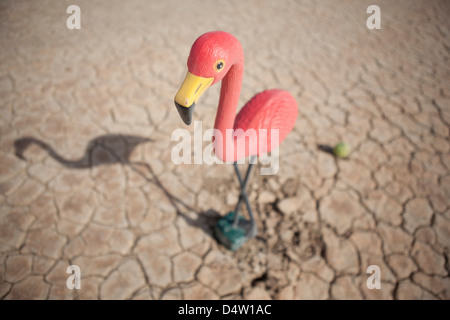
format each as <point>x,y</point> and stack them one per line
<point>120,147</point>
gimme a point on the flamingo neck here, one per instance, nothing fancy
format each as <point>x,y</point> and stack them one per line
<point>226,113</point>
<point>229,98</point>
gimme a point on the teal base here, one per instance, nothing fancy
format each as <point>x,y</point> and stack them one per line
<point>233,237</point>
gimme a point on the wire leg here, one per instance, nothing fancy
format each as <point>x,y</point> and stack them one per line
<point>243,196</point>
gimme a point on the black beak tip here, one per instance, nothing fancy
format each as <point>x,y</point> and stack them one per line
<point>185,113</point>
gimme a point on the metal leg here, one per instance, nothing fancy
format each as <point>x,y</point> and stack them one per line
<point>243,196</point>
<point>232,230</point>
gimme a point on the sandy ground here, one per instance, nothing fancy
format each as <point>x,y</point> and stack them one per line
<point>86,176</point>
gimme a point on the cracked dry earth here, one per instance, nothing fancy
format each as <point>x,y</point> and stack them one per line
<point>86,175</point>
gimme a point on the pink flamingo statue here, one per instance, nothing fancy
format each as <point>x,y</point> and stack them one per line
<point>219,56</point>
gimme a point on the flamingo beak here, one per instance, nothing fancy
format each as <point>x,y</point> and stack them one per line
<point>191,90</point>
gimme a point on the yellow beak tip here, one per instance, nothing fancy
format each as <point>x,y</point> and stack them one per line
<point>192,89</point>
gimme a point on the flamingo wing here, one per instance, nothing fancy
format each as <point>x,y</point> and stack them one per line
<point>271,110</point>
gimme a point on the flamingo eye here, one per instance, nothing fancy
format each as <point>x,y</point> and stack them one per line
<point>219,65</point>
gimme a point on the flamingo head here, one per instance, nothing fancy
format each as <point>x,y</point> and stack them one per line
<point>211,57</point>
